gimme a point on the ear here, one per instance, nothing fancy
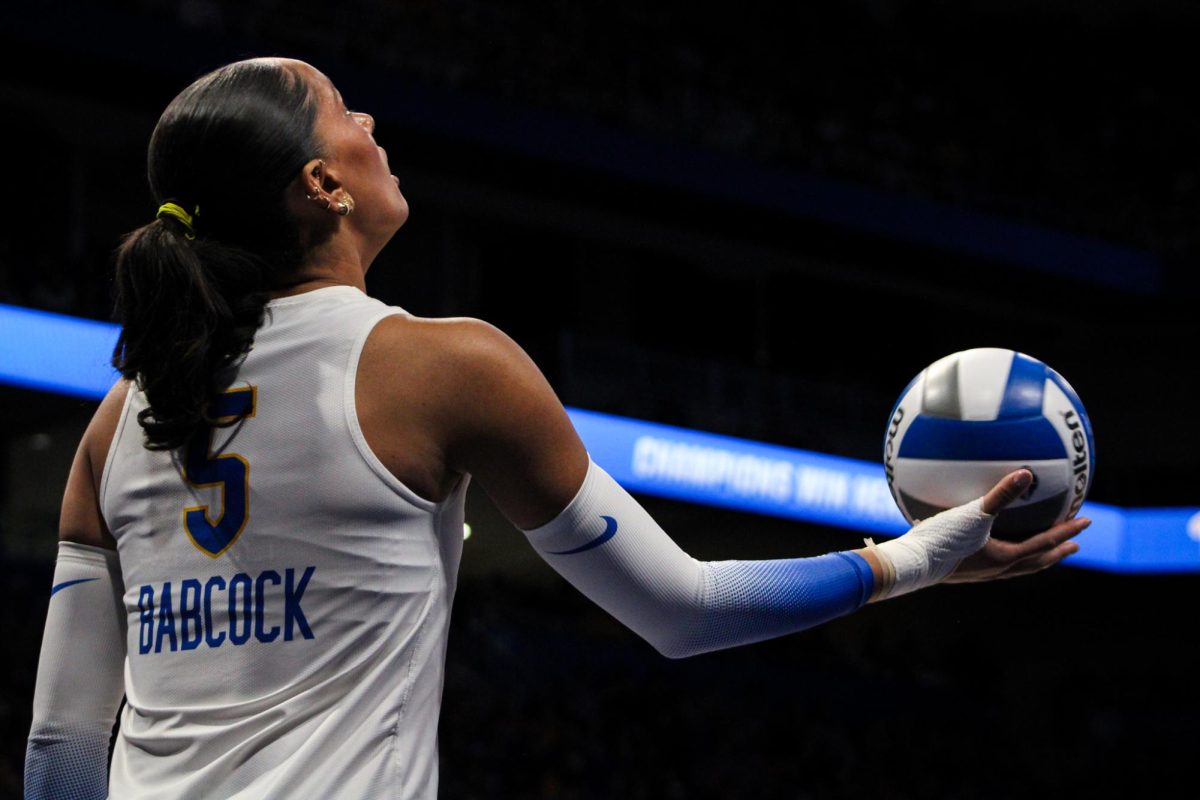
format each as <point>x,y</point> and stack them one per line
<point>319,186</point>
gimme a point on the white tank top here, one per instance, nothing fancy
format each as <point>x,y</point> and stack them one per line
<point>287,597</point>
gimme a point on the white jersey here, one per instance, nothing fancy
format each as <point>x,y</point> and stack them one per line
<point>288,598</point>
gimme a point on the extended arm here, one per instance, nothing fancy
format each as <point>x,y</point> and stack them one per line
<point>611,549</point>
<point>614,552</point>
<point>513,435</point>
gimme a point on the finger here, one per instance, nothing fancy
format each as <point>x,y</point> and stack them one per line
<point>1006,491</point>
<point>1051,538</point>
<point>1039,562</point>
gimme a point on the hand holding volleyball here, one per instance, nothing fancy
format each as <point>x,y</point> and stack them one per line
<point>992,417</point>
<point>1003,559</point>
<point>971,418</point>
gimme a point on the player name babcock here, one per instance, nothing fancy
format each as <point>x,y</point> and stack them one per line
<point>215,611</point>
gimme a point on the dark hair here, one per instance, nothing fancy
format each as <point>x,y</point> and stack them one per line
<point>228,145</point>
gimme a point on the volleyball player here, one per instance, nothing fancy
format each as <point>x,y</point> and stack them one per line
<point>262,526</point>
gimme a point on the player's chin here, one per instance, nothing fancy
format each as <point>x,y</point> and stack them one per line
<point>393,204</point>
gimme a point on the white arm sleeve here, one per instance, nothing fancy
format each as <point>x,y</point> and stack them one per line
<point>80,678</point>
<point>607,546</point>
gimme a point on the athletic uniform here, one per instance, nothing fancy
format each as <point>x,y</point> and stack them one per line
<point>288,598</point>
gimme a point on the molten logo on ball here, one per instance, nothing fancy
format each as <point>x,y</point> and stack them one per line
<point>889,449</point>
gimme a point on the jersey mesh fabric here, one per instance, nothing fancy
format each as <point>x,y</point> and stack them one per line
<point>344,705</point>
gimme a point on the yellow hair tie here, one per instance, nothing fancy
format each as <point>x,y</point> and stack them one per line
<point>176,211</point>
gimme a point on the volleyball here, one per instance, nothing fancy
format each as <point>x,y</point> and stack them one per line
<point>969,419</point>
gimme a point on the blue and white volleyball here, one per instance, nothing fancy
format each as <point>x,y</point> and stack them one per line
<point>971,418</point>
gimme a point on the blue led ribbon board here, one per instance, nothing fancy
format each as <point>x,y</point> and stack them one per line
<point>68,355</point>
<point>735,473</point>
<point>707,468</point>
<point>56,353</point>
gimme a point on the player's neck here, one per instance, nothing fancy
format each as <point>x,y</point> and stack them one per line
<point>329,269</point>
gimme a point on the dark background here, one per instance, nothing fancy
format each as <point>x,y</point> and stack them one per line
<point>738,219</point>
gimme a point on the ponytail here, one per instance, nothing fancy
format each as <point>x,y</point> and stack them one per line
<point>189,311</point>
<point>191,287</point>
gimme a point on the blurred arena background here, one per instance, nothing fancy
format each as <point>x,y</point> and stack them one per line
<point>757,219</point>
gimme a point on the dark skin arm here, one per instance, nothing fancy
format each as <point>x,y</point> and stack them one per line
<point>472,400</point>
<point>81,520</point>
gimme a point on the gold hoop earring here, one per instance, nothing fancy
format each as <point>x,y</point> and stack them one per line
<point>346,205</point>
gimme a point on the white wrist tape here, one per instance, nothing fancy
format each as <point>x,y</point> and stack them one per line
<point>607,546</point>
<point>80,678</point>
<point>934,547</point>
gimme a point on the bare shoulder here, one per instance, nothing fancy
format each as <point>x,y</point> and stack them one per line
<point>457,363</point>
<point>486,407</point>
<point>463,341</point>
<point>473,367</point>
<point>416,381</point>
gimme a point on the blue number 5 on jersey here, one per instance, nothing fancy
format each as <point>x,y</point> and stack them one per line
<point>229,471</point>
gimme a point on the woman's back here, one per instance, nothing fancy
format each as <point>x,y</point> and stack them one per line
<point>287,597</point>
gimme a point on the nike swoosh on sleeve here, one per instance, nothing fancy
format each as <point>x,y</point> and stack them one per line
<point>65,584</point>
<point>610,531</point>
